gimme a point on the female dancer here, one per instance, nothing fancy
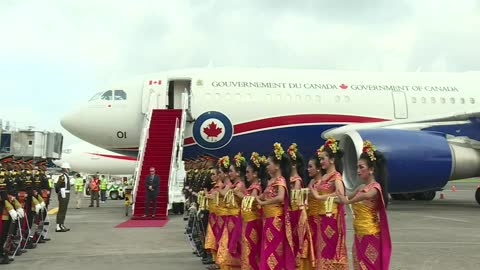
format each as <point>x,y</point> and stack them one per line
<point>252,222</point>
<point>224,258</point>
<point>373,247</point>
<point>233,199</point>
<point>213,231</point>
<point>331,245</point>
<point>296,184</point>
<point>277,243</point>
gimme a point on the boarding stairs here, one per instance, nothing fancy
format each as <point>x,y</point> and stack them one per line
<point>161,146</point>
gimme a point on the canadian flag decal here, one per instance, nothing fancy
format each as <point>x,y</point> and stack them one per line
<point>159,82</point>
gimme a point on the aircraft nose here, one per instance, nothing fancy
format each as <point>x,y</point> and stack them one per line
<point>70,123</point>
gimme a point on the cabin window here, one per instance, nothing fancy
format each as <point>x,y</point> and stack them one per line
<point>249,97</point>
<point>472,100</point>
<point>238,97</point>
<point>120,95</point>
<point>107,95</point>
<point>462,100</point>
<point>308,98</point>
<point>298,99</point>
<point>278,98</point>
<point>317,99</point>
<point>424,100</point>
<point>442,100</point>
<point>452,100</point>
<point>433,100</point>
<point>228,96</point>
<point>337,99</point>
<point>217,96</point>
<point>288,98</point>
<point>414,100</point>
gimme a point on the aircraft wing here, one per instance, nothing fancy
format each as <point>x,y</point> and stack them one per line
<point>418,124</point>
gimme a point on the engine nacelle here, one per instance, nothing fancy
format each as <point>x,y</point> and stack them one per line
<point>417,161</point>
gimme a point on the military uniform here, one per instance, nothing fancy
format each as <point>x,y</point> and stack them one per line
<point>8,216</point>
<point>62,187</point>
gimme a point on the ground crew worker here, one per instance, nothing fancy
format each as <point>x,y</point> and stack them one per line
<point>62,187</point>
<point>79,190</point>
<point>94,191</point>
<point>103,188</point>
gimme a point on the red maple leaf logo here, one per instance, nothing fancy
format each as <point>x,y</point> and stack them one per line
<point>212,130</point>
<point>343,86</point>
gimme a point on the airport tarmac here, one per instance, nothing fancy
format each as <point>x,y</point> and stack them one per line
<point>441,234</point>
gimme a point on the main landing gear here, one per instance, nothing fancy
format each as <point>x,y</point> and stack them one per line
<point>418,196</point>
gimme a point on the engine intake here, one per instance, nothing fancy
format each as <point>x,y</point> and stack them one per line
<point>417,161</point>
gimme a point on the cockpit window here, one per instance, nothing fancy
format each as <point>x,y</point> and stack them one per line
<point>107,95</point>
<point>96,96</point>
<point>120,95</point>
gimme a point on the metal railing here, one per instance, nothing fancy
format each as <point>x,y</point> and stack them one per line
<point>141,151</point>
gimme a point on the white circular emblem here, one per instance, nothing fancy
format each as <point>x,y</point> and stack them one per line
<point>212,130</point>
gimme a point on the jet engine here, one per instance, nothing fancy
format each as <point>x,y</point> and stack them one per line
<point>419,163</point>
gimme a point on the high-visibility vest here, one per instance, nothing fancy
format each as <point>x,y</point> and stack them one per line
<point>103,185</point>
<point>79,184</point>
<point>94,185</point>
<point>50,183</point>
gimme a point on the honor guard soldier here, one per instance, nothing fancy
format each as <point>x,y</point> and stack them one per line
<point>44,188</point>
<point>33,205</point>
<point>62,187</point>
<point>9,215</point>
<point>11,178</point>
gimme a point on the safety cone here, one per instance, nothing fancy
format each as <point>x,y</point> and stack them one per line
<point>442,196</point>
<point>454,189</point>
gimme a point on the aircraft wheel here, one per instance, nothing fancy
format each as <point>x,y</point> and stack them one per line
<point>429,195</point>
<point>477,195</point>
<point>402,196</point>
<point>114,195</point>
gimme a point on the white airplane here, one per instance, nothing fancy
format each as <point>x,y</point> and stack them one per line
<point>84,157</point>
<point>426,123</point>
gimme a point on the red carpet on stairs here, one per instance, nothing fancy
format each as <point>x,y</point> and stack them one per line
<point>158,154</point>
<point>142,223</point>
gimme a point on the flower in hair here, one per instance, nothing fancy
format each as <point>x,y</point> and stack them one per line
<point>256,159</point>
<point>278,150</point>
<point>330,143</point>
<point>292,151</point>
<point>370,149</point>
<point>239,160</point>
<point>224,162</point>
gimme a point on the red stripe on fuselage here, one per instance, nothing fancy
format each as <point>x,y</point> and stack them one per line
<point>278,122</point>
<point>115,157</point>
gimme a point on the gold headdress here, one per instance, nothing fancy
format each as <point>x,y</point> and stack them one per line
<point>278,150</point>
<point>292,151</point>
<point>239,160</point>
<point>330,143</point>
<point>224,162</point>
<point>370,149</point>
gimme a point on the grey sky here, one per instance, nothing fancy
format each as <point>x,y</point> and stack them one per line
<point>57,54</point>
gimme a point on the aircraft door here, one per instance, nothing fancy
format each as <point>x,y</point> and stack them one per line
<point>153,95</point>
<point>400,105</point>
<point>175,90</point>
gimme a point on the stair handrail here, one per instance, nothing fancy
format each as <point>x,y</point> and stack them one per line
<point>141,150</point>
<point>173,161</point>
<point>185,108</point>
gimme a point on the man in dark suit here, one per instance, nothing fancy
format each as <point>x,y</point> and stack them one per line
<point>152,183</point>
